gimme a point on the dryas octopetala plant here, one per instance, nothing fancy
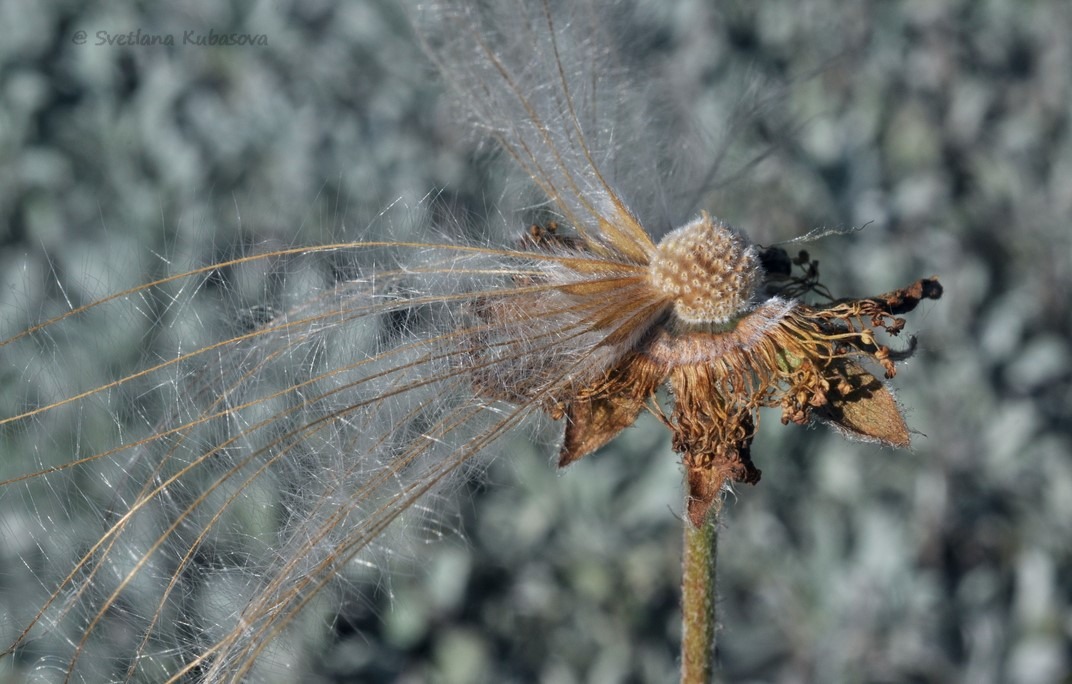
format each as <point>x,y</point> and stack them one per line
<point>329,416</point>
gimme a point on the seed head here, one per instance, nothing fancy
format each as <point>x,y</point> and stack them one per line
<point>709,271</point>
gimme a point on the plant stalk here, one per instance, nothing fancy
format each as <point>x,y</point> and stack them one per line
<point>698,601</point>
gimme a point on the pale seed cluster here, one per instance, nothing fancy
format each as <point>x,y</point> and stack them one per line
<point>710,272</point>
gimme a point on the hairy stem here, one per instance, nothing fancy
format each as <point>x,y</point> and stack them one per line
<point>698,609</point>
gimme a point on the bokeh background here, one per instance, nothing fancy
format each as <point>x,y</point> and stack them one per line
<point>943,127</point>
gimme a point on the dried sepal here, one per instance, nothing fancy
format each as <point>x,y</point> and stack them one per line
<point>860,406</point>
<point>596,414</point>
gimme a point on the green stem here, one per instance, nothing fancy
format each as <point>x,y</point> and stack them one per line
<point>698,609</point>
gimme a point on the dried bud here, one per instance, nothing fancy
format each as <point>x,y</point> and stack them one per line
<point>709,271</point>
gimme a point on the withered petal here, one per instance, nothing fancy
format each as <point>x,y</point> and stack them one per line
<point>862,407</point>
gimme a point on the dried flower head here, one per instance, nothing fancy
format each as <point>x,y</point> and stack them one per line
<point>690,316</point>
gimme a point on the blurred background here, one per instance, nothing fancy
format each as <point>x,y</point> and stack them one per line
<point>943,128</point>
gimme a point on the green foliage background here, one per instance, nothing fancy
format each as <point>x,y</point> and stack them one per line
<point>943,126</point>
